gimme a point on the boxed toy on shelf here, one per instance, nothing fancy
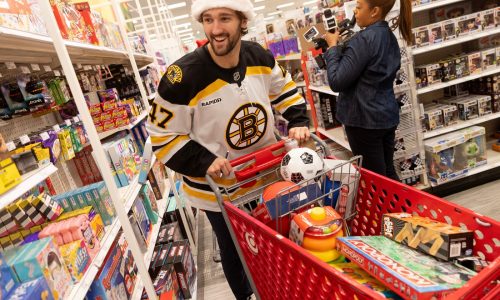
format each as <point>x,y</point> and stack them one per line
<point>452,155</point>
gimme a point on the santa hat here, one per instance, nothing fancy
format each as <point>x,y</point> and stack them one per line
<point>244,6</point>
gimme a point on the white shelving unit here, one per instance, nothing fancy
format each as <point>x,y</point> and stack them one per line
<point>152,96</point>
<point>459,40</point>
<point>460,125</point>
<point>141,117</point>
<point>434,4</point>
<point>336,135</point>
<point>29,180</point>
<point>442,85</point>
<point>323,89</point>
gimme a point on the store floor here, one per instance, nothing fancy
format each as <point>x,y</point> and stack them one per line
<point>212,283</point>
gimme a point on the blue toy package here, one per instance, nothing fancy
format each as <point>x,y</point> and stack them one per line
<point>8,280</point>
<point>33,290</point>
<point>109,282</point>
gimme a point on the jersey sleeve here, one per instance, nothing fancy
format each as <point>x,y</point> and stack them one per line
<point>286,98</point>
<point>169,126</point>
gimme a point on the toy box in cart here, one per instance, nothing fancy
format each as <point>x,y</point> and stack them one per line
<point>409,273</point>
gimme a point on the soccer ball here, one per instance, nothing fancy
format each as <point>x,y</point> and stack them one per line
<point>301,164</point>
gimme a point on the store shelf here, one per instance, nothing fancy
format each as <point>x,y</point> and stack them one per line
<point>336,135</point>
<point>29,180</point>
<point>162,206</point>
<point>79,290</point>
<point>323,89</point>
<point>22,47</point>
<point>442,85</point>
<point>152,96</point>
<point>300,84</point>
<point>459,40</point>
<point>433,4</point>
<point>290,57</point>
<point>460,125</point>
<point>105,134</point>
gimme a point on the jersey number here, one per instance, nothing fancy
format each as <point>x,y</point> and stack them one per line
<point>152,115</point>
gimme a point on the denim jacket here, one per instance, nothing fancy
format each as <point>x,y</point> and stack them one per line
<point>363,73</point>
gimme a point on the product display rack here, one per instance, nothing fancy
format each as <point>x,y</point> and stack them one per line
<point>138,120</point>
<point>433,4</point>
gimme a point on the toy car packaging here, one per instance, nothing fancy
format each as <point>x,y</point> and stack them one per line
<point>409,273</point>
<point>438,239</point>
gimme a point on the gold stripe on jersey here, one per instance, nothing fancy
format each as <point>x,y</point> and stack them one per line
<point>283,105</point>
<point>225,182</point>
<point>210,196</point>
<point>160,154</point>
<point>209,90</point>
<point>289,86</point>
<point>258,70</point>
<point>158,140</point>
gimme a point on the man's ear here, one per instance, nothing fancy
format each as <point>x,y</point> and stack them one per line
<point>244,23</point>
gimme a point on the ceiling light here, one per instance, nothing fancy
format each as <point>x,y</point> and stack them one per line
<point>274,13</point>
<point>257,1</point>
<point>179,17</point>
<point>285,5</point>
<point>185,25</point>
<point>269,18</point>
<point>314,8</point>
<point>186,34</point>
<point>259,8</point>
<point>185,30</point>
<point>176,5</point>
<point>310,2</point>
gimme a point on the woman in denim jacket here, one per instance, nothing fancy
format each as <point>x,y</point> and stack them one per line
<point>363,72</point>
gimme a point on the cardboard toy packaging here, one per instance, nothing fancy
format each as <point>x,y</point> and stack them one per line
<point>185,268</point>
<point>438,239</point>
<point>8,279</point>
<point>32,290</point>
<point>409,273</point>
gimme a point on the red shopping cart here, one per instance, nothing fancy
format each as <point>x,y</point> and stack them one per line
<point>280,269</point>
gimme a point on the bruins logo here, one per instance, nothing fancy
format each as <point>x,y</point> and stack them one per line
<point>247,126</point>
<point>174,74</point>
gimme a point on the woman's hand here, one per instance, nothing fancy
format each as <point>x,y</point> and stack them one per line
<point>300,134</point>
<point>332,39</point>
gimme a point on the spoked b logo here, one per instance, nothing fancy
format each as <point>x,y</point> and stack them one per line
<point>247,126</point>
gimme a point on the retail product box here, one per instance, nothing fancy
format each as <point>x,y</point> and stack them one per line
<point>355,272</point>
<point>35,289</point>
<point>327,105</point>
<point>8,279</point>
<point>467,106</point>
<point>438,239</point>
<point>76,257</point>
<point>185,268</point>
<point>165,283</point>
<point>462,66</point>
<point>166,233</point>
<point>20,216</point>
<point>102,198</point>
<point>450,29</point>
<point>144,196</point>
<point>164,256</point>
<point>42,259</point>
<point>90,35</point>
<point>475,63</point>
<point>32,213</point>
<point>9,175</point>
<point>489,59</point>
<point>433,118</point>
<point>147,157</point>
<point>484,105</point>
<point>407,272</point>
<point>451,156</point>
<point>451,11</point>
<point>435,33</point>
<point>109,282</point>
<point>487,19</point>
<point>448,71</point>
<point>8,221</point>
<point>421,36</point>
<point>450,114</point>
<point>128,267</point>
<point>469,24</point>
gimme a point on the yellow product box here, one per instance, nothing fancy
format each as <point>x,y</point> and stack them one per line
<point>16,239</point>
<point>438,239</point>
<point>26,206</point>
<point>9,175</point>
<point>5,243</point>
<point>76,257</point>
<point>66,144</point>
<point>25,232</point>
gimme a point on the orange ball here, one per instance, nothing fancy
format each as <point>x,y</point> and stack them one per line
<point>271,191</point>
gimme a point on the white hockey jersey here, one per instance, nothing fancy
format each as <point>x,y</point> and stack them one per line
<point>202,111</point>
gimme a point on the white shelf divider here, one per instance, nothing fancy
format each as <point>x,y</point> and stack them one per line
<point>337,135</point>
<point>29,180</point>
<point>105,134</point>
<point>442,85</point>
<point>461,124</point>
<point>433,5</point>
<point>459,40</point>
<point>162,206</point>
<point>323,89</point>
<point>152,96</point>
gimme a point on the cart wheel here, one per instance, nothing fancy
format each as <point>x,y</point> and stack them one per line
<point>216,252</point>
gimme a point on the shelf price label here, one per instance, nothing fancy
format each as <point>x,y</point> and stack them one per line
<point>11,146</point>
<point>87,67</point>
<point>68,122</point>
<point>10,65</point>
<point>57,73</point>
<point>24,139</point>
<point>78,66</point>
<point>56,128</point>
<point>47,68</point>
<point>76,119</point>
<point>25,70</point>
<point>44,136</point>
<point>35,67</point>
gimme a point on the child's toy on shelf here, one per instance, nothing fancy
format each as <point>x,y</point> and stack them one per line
<point>438,239</point>
<point>409,273</point>
<point>317,230</point>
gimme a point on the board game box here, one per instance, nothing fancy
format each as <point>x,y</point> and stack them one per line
<point>407,272</point>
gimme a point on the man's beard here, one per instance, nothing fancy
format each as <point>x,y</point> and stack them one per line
<point>231,43</point>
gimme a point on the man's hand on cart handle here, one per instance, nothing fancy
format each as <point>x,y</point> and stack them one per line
<point>220,166</point>
<point>301,134</point>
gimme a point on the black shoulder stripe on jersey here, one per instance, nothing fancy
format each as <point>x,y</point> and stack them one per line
<point>296,115</point>
<point>182,161</point>
<point>284,96</point>
<point>256,55</point>
<point>203,187</point>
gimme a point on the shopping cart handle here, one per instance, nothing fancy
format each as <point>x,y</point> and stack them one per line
<point>263,160</point>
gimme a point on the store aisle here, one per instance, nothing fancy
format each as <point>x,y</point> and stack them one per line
<point>212,283</point>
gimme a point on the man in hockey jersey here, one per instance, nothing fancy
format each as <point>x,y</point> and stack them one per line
<point>214,105</point>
